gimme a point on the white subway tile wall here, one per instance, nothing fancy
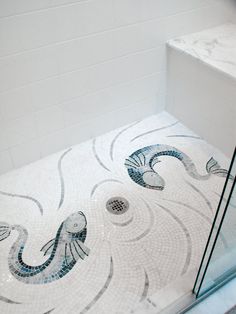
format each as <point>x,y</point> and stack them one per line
<point>70,70</point>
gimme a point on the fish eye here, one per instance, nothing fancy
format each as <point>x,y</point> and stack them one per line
<point>75,223</point>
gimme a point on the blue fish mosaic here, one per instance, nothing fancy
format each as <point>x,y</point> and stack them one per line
<point>140,166</point>
<point>64,251</point>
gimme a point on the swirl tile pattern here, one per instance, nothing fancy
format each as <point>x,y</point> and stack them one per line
<point>159,238</point>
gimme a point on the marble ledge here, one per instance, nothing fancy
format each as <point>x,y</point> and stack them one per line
<point>215,47</point>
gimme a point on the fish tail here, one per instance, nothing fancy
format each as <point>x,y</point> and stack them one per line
<point>5,230</point>
<point>213,167</point>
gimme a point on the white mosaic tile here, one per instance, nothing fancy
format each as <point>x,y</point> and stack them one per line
<point>124,258</point>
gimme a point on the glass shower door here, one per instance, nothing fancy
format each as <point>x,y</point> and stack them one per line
<point>219,261</point>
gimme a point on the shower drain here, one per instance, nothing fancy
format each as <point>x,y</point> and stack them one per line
<point>117,205</point>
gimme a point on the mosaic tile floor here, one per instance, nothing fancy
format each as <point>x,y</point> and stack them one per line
<point>92,230</point>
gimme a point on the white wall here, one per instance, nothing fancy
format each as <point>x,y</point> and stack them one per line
<point>203,98</point>
<point>70,70</point>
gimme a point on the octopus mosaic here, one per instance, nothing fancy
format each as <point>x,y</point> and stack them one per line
<point>120,228</point>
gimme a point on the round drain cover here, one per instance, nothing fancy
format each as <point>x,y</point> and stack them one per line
<point>117,205</point>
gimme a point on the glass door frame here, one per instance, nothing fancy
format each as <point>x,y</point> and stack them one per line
<point>190,300</point>
<point>212,241</point>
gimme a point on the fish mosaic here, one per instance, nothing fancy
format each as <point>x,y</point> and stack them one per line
<point>140,166</point>
<point>64,251</point>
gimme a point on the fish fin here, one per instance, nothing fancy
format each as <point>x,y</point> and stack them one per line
<point>48,247</point>
<point>142,158</point>
<point>83,247</point>
<point>130,164</point>
<point>138,160</point>
<point>71,255</point>
<point>213,167</point>
<point>5,230</point>
<point>76,251</point>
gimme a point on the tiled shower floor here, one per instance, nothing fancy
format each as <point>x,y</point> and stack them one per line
<point>136,248</point>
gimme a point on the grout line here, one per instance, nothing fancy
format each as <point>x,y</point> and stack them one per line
<point>157,73</point>
<point>39,10</point>
<point>11,158</point>
<point>59,75</point>
<point>110,29</point>
<point>38,137</point>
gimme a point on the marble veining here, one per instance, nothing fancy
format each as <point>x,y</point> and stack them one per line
<point>215,47</point>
